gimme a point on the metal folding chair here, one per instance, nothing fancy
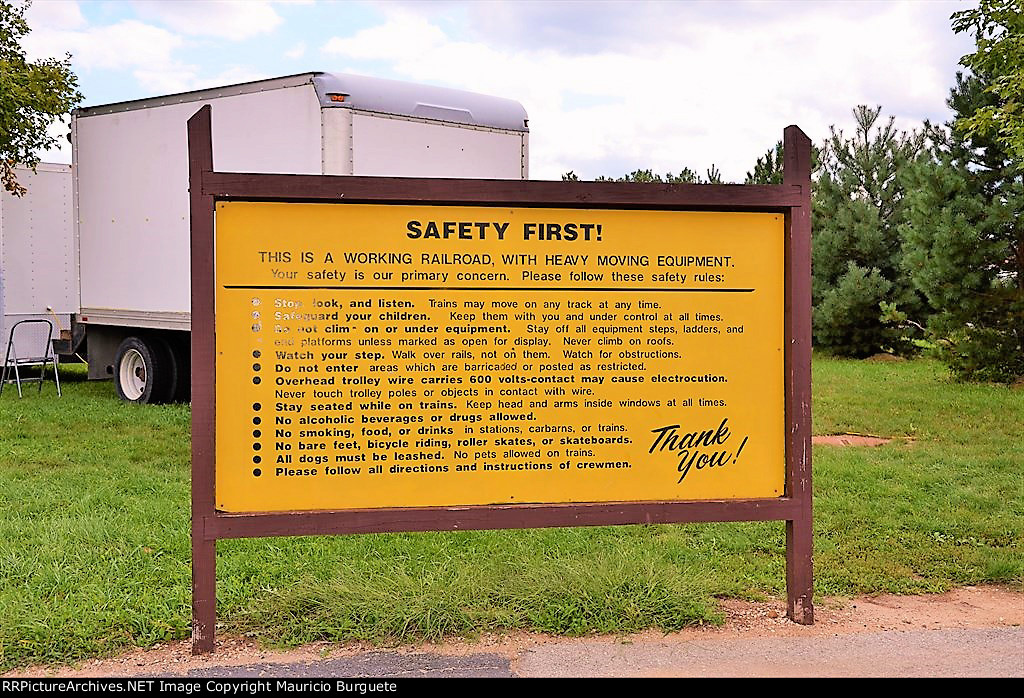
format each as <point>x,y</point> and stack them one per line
<point>29,344</point>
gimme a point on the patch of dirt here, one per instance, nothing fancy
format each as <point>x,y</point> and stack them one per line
<point>882,356</point>
<point>968,607</point>
<point>849,440</point>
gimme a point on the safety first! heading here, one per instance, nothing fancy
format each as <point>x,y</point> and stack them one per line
<point>484,230</point>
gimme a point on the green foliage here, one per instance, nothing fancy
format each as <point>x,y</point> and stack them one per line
<point>686,176</point>
<point>998,28</point>
<point>856,298</point>
<point>964,243</point>
<point>768,168</point>
<point>856,253</point>
<point>32,95</point>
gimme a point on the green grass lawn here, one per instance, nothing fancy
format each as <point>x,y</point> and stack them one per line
<point>94,540</point>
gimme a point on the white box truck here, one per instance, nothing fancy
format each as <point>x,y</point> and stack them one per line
<point>131,204</point>
<point>38,262</point>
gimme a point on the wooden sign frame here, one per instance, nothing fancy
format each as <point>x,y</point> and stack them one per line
<point>792,198</point>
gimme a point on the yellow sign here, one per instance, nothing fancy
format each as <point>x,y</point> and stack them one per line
<point>376,356</point>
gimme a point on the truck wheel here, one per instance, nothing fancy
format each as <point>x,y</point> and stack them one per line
<point>143,370</point>
<point>181,351</point>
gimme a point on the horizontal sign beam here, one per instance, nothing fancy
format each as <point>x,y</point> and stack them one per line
<point>719,197</point>
<point>494,517</point>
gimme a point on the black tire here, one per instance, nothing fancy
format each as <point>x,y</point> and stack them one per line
<point>181,352</point>
<point>144,370</point>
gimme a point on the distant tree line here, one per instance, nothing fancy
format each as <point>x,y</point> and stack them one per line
<point>918,238</point>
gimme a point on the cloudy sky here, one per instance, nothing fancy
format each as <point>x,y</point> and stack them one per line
<point>609,86</point>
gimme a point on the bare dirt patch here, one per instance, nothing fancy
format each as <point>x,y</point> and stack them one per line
<point>849,440</point>
<point>882,356</point>
<point>968,607</point>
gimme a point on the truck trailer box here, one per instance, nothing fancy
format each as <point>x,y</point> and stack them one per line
<point>38,265</point>
<point>131,188</point>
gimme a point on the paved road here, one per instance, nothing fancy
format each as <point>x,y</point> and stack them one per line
<point>985,652</point>
<point>372,665</point>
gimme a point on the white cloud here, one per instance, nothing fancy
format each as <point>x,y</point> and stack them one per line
<point>609,86</point>
<point>721,96</point>
<point>184,78</point>
<point>128,44</point>
<point>59,14</point>
<point>160,80</point>
<point>61,150</point>
<point>228,19</point>
<point>403,37</point>
<point>230,76</point>
<point>145,51</point>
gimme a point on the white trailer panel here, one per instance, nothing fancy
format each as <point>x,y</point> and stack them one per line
<point>131,168</point>
<point>131,188</point>
<point>38,269</point>
<point>132,191</point>
<point>399,147</point>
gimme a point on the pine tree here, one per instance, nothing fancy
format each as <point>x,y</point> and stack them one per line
<point>768,168</point>
<point>964,242</point>
<point>856,250</point>
<point>686,176</point>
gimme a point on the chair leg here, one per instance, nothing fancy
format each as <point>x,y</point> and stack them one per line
<point>56,376</point>
<point>7,365</point>
<point>17,377</point>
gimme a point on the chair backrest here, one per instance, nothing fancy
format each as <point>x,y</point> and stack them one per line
<point>29,340</point>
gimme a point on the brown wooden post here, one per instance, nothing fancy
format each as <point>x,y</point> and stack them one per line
<point>799,529</point>
<point>204,546</point>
